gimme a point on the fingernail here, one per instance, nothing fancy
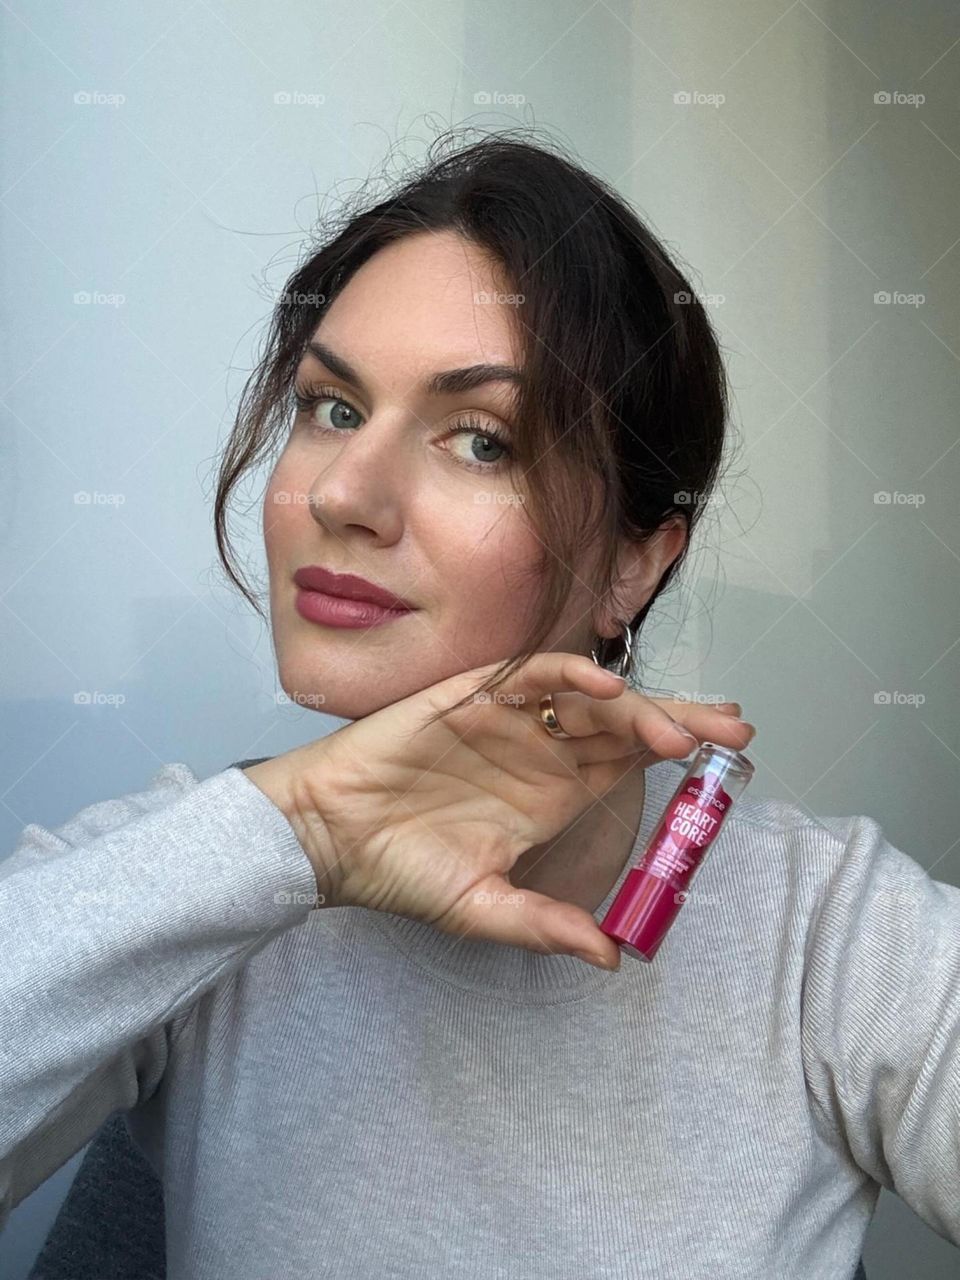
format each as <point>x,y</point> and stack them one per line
<point>591,957</point>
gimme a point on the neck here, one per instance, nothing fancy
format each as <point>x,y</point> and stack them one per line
<point>582,863</point>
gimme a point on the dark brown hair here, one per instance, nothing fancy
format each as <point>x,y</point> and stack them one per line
<point>624,379</point>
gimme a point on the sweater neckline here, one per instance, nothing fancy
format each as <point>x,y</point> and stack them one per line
<point>515,974</point>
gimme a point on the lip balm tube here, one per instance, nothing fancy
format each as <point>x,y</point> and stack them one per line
<point>653,891</point>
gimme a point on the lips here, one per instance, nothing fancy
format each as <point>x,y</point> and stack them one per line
<point>348,587</point>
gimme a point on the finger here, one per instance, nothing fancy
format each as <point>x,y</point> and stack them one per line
<point>708,723</point>
<point>497,910</point>
<point>540,674</point>
<point>634,718</point>
<point>668,726</point>
<point>606,745</point>
<point>728,708</point>
<point>553,671</point>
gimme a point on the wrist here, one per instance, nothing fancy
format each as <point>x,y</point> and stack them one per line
<point>275,780</point>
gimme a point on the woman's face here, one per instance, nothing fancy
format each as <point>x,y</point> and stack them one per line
<point>376,480</point>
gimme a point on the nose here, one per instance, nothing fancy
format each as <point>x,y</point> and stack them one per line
<point>366,478</point>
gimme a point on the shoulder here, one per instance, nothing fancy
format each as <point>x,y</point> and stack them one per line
<point>827,870</point>
<point>104,815</point>
<point>166,785</point>
<point>815,840</point>
<point>840,875</point>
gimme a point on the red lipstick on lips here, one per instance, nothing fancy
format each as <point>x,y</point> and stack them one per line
<point>344,600</point>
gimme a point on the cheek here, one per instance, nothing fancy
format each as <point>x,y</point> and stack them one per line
<point>486,566</point>
<point>282,509</point>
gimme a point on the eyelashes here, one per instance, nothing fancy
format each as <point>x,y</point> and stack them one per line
<point>309,397</point>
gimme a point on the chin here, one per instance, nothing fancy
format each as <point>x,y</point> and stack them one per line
<point>341,704</point>
<point>357,683</point>
<point>346,697</point>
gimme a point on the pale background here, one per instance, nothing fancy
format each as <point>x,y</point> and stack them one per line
<point>795,199</point>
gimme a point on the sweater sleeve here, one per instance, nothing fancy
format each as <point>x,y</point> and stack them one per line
<point>881,1022</point>
<point>114,925</point>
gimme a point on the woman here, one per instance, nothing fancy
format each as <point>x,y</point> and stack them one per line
<point>437,1085</point>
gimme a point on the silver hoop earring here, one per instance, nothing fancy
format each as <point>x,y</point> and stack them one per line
<point>625,661</point>
<point>548,716</point>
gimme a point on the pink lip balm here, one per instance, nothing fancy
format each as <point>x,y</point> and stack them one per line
<point>653,891</point>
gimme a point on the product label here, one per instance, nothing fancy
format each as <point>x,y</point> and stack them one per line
<point>688,827</point>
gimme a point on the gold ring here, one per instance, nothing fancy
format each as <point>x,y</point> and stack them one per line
<point>549,718</point>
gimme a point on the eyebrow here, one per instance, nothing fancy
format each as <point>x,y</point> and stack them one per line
<point>449,382</point>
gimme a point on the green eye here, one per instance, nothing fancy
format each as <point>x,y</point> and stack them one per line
<point>343,417</point>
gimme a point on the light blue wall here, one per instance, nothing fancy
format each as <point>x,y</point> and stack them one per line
<point>182,207</point>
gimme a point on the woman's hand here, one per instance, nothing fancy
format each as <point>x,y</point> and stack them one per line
<point>427,820</point>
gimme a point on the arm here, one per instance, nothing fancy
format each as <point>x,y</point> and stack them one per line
<point>881,1022</point>
<point>113,926</point>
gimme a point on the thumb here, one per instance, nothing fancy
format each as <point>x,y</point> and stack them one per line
<point>494,908</point>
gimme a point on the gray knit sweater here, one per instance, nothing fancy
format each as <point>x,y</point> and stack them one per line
<point>350,1093</point>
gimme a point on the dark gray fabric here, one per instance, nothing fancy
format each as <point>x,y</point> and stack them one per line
<point>110,1226</point>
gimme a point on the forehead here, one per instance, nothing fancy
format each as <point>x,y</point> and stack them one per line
<point>430,301</point>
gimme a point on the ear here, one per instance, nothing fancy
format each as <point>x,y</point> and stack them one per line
<point>640,566</point>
